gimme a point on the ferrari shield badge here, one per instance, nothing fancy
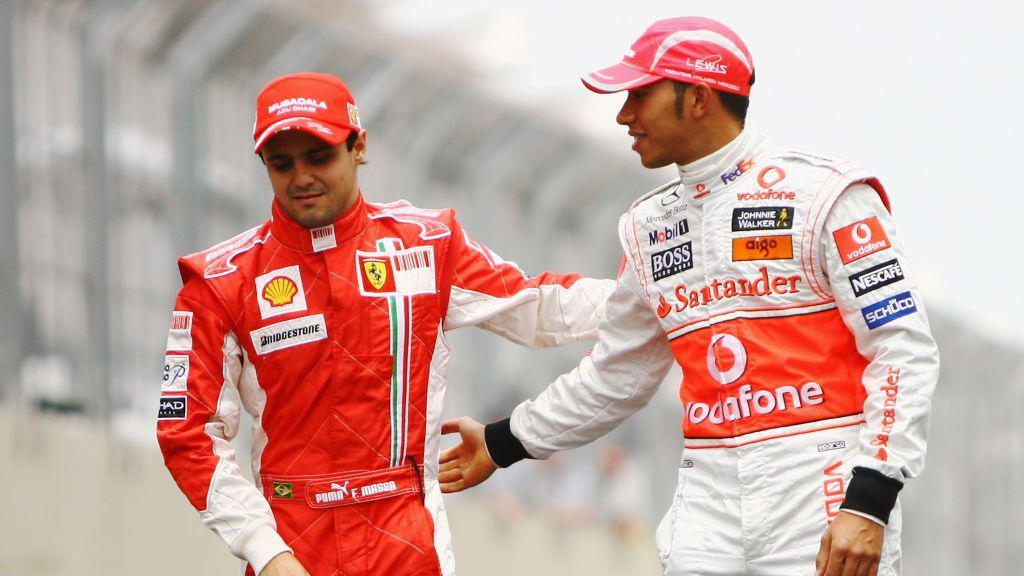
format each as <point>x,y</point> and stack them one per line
<point>376,272</point>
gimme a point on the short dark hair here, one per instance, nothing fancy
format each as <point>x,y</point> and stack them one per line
<point>350,142</point>
<point>734,104</point>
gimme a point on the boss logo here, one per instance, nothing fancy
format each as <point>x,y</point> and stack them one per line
<point>671,261</point>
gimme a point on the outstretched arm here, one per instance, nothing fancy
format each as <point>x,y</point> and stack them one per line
<point>615,380</point>
<point>534,311</point>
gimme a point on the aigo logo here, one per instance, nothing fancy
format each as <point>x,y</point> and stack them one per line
<point>733,345</point>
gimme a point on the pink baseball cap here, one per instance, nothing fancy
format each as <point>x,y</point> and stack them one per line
<point>318,104</point>
<point>689,49</point>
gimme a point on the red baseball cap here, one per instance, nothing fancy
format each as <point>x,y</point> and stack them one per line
<point>689,49</point>
<point>318,104</point>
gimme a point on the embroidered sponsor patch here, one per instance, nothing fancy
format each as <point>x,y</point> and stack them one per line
<point>173,408</point>
<point>289,333</point>
<point>876,277</point>
<point>667,233</point>
<point>175,373</point>
<point>829,446</point>
<point>762,218</point>
<point>762,248</point>
<point>860,239</point>
<point>888,310</point>
<point>280,292</point>
<point>672,261</point>
<point>323,238</point>
<point>405,272</point>
<point>179,337</point>
<point>283,490</point>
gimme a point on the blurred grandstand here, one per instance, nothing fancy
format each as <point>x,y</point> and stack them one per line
<point>125,134</point>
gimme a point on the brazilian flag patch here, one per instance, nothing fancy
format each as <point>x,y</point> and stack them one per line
<point>283,489</point>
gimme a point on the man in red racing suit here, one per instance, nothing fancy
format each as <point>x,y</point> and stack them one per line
<point>326,324</point>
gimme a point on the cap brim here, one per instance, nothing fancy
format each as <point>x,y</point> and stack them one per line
<point>329,133</point>
<point>618,78</point>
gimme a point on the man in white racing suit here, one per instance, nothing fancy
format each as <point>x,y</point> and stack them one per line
<point>776,280</point>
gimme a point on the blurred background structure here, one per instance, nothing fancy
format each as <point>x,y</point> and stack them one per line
<point>125,141</point>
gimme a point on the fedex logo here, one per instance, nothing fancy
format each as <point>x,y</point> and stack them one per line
<point>741,168</point>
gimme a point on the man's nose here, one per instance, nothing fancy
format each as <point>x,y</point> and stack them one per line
<point>303,175</point>
<point>625,115</point>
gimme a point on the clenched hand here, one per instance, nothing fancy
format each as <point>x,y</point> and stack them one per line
<point>467,464</point>
<point>851,546</point>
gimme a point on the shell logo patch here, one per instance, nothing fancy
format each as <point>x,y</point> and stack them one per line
<point>280,291</point>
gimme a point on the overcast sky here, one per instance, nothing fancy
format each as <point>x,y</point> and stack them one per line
<point>923,94</point>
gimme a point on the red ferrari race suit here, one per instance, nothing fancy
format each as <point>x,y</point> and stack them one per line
<point>778,284</point>
<point>332,340</point>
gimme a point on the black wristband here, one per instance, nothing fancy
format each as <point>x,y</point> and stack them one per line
<point>505,449</point>
<point>872,493</point>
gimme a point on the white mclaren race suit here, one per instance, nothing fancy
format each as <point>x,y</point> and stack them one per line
<point>777,281</point>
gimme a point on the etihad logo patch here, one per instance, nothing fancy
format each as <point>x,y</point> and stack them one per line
<point>289,333</point>
<point>671,261</point>
<point>861,239</point>
<point>179,337</point>
<point>280,292</point>
<point>762,248</point>
<point>763,218</point>
<point>887,310</point>
<point>404,272</point>
<point>876,277</point>
<point>173,408</point>
<point>175,373</point>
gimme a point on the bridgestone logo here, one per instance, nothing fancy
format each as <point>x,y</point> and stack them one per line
<point>876,277</point>
<point>289,333</point>
<point>293,333</point>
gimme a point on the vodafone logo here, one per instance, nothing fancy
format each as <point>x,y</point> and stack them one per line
<point>860,239</point>
<point>861,233</point>
<point>770,176</point>
<point>723,346</point>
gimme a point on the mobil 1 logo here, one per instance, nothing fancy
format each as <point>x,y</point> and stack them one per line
<point>762,218</point>
<point>876,277</point>
<point>671,261</point>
